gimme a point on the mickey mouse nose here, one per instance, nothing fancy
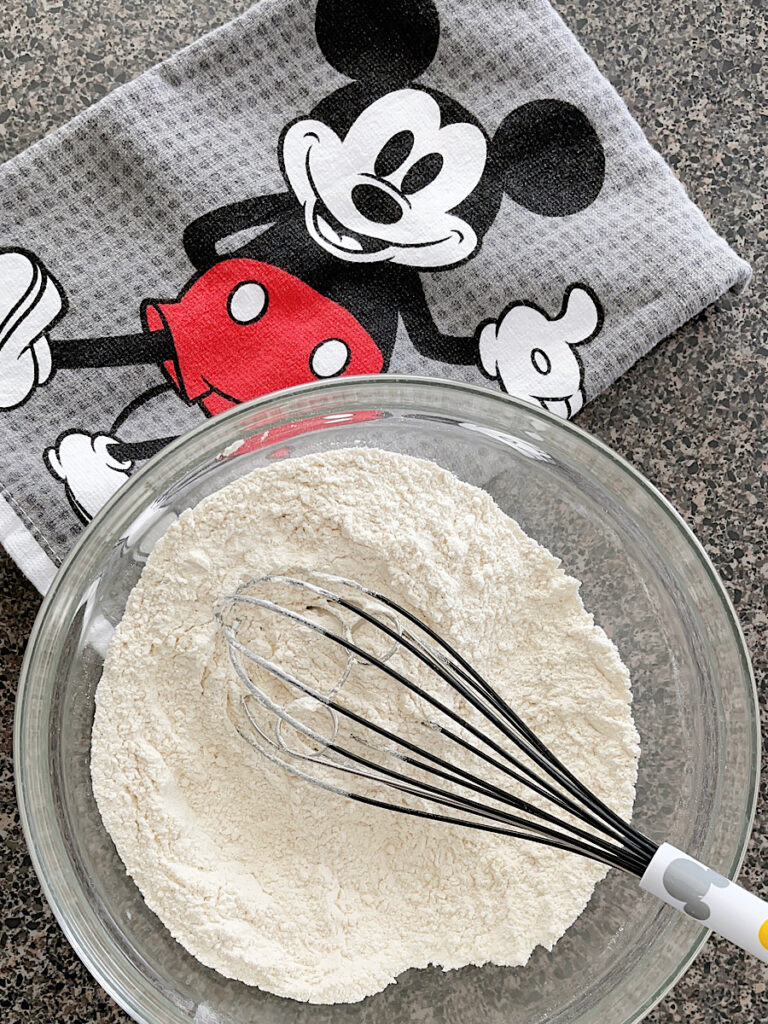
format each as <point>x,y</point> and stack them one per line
<point>375,204</point>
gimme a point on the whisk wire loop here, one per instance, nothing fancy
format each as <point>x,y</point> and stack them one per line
<point>539,753</point>
<point>468,680</point>
<point>613,841</point>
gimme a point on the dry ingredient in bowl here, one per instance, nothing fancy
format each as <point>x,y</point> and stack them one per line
<point>303,893</point>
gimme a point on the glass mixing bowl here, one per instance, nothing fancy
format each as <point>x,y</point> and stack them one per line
<point>645,578</point>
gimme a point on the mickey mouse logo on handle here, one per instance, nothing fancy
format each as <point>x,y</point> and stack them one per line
<point>709,898</point>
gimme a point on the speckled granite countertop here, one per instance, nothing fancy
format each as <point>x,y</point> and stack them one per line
<point>692,416</point>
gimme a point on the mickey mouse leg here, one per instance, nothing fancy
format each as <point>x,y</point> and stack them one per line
<point>93,466</point>
<point>31,303</point>
<point>114,350</point>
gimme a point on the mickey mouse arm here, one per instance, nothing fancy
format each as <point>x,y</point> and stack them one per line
<point>424,334</point>
<point>202,236</point>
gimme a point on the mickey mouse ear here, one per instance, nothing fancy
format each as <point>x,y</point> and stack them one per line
<point>549,157</point>
<point>391,41</point>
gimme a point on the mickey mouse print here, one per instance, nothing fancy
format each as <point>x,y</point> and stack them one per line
<point>385,179</point>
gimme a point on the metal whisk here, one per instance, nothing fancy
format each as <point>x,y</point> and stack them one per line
<point>350,691</point>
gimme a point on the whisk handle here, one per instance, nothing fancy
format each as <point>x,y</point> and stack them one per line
<point>710,898</point>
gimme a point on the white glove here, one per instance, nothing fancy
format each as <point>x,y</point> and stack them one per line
<point>90,471</point>
<point>533,357</point>
<point>30,301</point>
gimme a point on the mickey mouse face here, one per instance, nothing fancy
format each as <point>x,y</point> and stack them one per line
<point>387,169</point>
<point>389,189</point>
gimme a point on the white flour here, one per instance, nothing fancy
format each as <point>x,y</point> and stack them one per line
<point>301,892</point>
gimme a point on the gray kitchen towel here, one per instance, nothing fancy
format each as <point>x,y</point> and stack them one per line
<point>442,187</point>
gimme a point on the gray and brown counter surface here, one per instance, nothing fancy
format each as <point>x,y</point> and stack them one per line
<point>692,416</point>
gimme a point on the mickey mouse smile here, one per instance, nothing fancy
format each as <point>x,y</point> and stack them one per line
<point>340,236</point>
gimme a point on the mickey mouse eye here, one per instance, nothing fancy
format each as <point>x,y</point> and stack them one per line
<point>424,171</point>
<point>329,358</point>
<point>393,154</point>
<point>541,361</point>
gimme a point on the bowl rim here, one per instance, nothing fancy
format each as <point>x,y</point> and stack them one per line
<point>53,597</point>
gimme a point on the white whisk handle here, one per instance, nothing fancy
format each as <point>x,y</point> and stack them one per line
<point>710,898</point>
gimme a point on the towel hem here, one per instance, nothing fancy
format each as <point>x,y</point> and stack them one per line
<point>24,550</point>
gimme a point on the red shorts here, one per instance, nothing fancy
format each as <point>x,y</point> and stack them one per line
<point>244,328</point>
